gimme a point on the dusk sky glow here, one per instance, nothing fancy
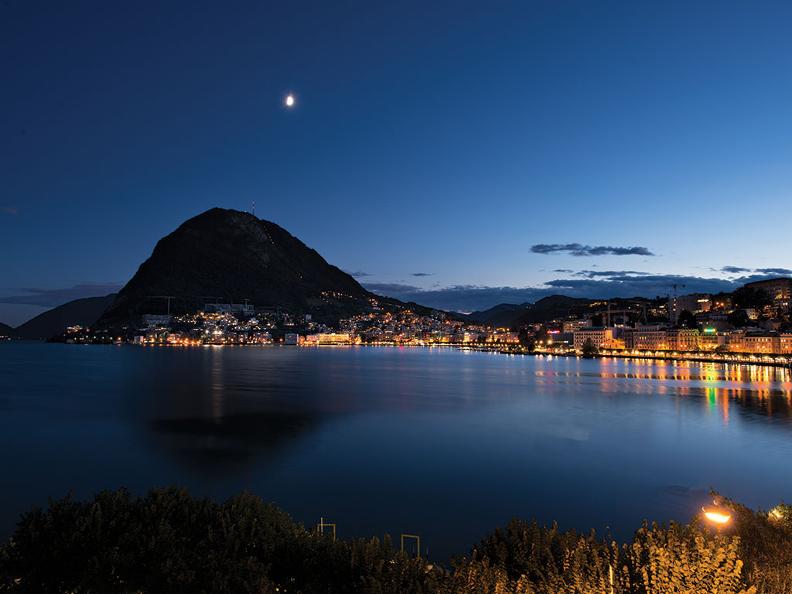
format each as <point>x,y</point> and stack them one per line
<point>461,150</point>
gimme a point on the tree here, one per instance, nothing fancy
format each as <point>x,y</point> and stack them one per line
<point>748,297</point>
<point>526,339</point>
<point>739,318</point>
<point>589,349</point>
<point>686,319</point>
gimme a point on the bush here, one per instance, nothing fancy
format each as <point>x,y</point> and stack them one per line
<point>168,541</point>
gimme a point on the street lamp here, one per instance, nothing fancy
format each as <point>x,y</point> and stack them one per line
<point>716,516</point>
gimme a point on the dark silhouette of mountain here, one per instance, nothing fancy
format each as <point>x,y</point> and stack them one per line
<point>229,256</point>
<point>82,312</point>
<point>555,307</point>
<point>515,316</point>
<point>501,316</point>
<point>6,330</point>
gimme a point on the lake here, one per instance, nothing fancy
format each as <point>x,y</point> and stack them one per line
<point>443,443</point>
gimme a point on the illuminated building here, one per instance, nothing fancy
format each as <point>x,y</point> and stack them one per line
<point>785,343</point>
<point>599,337</point>
<point>711,339</point>
<point>571,326</point>
<point>694,303</point>
<point>755,342</point>
<point>683,339</point>
<point>646,338</point>
<point>326,338</point>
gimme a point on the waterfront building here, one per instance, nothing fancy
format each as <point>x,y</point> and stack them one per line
<point>599,337</point>
<point>785,343</point>
<point>506,337</point>
<point>711,339</point>
<point>646,338</point>
<point>683,339</point>
<point>326,338</point>
<point>755,342</point>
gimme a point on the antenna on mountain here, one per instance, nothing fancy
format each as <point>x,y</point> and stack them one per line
<point>254,208</point>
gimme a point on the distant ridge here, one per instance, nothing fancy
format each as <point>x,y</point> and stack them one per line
<point>507,315</point>
<point>6,330</point>
<point>83,312</point>
<point>231,256</point>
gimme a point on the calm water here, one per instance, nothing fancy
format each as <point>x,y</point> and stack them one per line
<point>442,443</point>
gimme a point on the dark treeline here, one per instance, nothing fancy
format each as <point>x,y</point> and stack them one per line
<point>168,541</point>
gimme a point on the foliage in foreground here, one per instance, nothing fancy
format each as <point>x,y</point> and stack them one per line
<point>168,541</point>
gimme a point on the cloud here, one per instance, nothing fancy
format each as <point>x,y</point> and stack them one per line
<point>12,210</point>
<point>358,273</point>
<point>585,283</point>
<point>643,285</point>
<point>55,297</point>
<point>421,274</point>
<point>608,273</point>
<point>391,289</point>
<point>464,298</point>
<point>764,271</point>
<point>577,249</point>
<point>735,270</point>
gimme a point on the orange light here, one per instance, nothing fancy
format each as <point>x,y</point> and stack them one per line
<point>717,517</point>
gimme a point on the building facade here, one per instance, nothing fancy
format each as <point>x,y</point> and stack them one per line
<point>599,337</point>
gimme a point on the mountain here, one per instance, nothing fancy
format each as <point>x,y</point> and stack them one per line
<point>552,307</point>
<point>6,330</point>
<point>229,256</point>
<point>82,312</point>
<point>556,307</point>
<point>508,315</point>
<point>501,316</point>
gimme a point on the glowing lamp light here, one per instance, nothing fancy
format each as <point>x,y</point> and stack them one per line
<point>717,517</point>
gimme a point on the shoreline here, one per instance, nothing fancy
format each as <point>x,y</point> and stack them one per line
<point>764,360</point>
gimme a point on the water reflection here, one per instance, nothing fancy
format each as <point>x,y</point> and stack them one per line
<point>225,443</point>
<point>396,439</point>
<point>220,408</point>
<point>766,391</point>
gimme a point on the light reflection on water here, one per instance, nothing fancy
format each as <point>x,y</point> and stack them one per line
<point>446,443</point>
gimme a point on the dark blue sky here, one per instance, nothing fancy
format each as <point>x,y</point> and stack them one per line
<point>443,139</point>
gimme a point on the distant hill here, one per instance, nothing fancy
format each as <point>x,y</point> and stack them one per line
<point>515,316</point>
<point>6,330</point>
<point>83,312</point>
<point>553,307</point>
<point>501,316</point>
<point>231,256</point>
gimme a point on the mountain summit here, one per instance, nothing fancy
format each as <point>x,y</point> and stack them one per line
<point>229,256</point>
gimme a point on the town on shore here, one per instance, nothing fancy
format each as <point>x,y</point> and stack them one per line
<point>753,324</point>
